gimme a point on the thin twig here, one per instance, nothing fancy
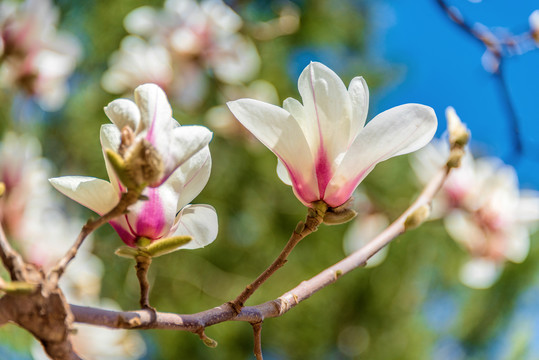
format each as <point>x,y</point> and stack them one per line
<point>257,332</point>
<point>511,111</point>
<point>11,259</point>
<point>144,319</point>
<point>314,218</point>
<point>127,199</point>
<point>496,48</point>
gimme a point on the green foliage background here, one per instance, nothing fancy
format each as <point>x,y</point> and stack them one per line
<point>376,313</point>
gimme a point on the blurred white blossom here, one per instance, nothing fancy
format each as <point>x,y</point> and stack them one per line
<point>36,58</point>
<point>483,209</point>
<point>368,223</point>
<point>179,47</point>
<point>37,226</point>
<point>221,120</point>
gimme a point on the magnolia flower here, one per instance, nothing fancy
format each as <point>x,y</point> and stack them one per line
<point>36,58</point>
<point>137,62</point>
<point>223,122</point>
<point>180,46</point>
<point>149,120</point>
<point>22,170</point>
<point>166,212</point>
<point>323,149</point>
<point>483,209</point>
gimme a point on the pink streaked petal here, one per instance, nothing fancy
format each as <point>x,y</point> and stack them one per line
<point>150,221</point>
<point>323,170</point>
<point>280,132</point>
<point>120,226</point>
<point>154,218</point>
<point>155,112</point>
<point>328,109</point>
<point>397,131</point>
<point>305,191</point>
<point>183,142</point>
<point>190,178</point>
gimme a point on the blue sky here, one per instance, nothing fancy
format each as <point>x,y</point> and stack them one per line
<point>440,66</point>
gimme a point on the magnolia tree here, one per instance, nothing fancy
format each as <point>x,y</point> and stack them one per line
<point>324,145</point>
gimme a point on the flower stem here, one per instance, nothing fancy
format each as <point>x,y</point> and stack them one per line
<point>314,218</point>
<point>142,266</point>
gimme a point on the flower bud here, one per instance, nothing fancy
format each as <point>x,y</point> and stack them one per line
<point>458,133</point>
<point>417,217</point>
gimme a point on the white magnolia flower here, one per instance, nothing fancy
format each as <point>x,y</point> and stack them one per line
<point>224,123</point>
<point>196,40</point>
<point>367,224</point>
<point>323,147</point>
<point>187,160</point>
<point>137,62</point>
<point>149,118</point>
<point>483,209</point>
<point>36,58</point>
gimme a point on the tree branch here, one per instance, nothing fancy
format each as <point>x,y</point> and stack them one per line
<point>146,319</point>
<point>11,259</point>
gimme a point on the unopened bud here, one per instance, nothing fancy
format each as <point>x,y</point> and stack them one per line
<point>417,217</point>
<point>209,342</point>
<point>118,164</point>
<point>18,288</point>
<point>167,245</point>
<point>339,217</point>
<point>127,252</point>
<point>458,133</point>
<point>340,214</point>
<point>455,158</point>
<point>143,164</point>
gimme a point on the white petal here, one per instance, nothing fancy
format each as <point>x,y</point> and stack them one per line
<point>123,112</point>
<point>528,207</point>
<point>359,95</point>
<point>480,273</point>
<point>282,173</point>
<point>155,111</point>
<point>328,109</point>
<point>397,131</point>
<point>141,21</point>
<point>282,134</point>
<point>95,194</point>
<point>517,244</point>
<point>190,178</point>
<point>185,141</point>
<point>200,222</point>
